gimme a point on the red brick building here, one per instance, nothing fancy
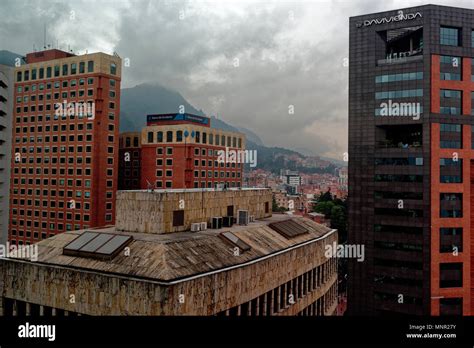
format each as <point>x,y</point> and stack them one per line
<point>182,151</point>
<point>65,148</point>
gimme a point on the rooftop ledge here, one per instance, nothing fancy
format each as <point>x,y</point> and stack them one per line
<point>235,189</point>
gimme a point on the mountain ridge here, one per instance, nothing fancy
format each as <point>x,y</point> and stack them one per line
<point>143,99</point>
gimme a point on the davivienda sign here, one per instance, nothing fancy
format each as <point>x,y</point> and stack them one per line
<point>385,20</point>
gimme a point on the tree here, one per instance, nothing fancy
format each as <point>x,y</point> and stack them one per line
<point>325,197</point>
<point>324,208</point>
<point>339,222</point>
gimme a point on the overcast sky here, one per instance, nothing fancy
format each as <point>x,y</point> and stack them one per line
<point>248,62</point>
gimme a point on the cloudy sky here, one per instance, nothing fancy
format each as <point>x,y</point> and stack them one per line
<point>251,63</point>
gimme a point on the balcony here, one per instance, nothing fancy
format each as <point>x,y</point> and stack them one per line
<point>399,137</point>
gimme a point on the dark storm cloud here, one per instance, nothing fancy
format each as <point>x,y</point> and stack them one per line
<point>247,62</point>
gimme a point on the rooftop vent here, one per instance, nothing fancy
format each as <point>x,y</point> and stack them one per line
<point>101,246</point>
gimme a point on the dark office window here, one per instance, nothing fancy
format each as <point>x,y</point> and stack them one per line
<point>450,275</point>
<point>135,141</point>
<point>450,170</point>
<point>113,69</point>
<point>450,36</point>
<point>198,137</point>
<point>179,136</point>
<point>82,68</point>
<point>56,70</point>
<point>159,137</point>
<point>90,66</point>
<point>450,102</point>
<point>450,306</point>
<point>150,137</point>
<point>450,240</point>
<point>169,136</point>
<point>65,69</point>
<point>450,205</point>
<point>178,218</point>
<point>73,68</point>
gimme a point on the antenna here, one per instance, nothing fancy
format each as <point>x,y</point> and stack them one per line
<point>44,36</point>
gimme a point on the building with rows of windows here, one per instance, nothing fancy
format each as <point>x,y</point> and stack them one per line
<point>411,127</point>
<point>182,151</point>
<point>7,63</point>
<point>129,161</point>
<point>65,144</point>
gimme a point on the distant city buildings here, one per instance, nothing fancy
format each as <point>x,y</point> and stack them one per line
<point>411,127</point>
<point>65,144</point>
<point>183,151</point>
<point>152,263</point>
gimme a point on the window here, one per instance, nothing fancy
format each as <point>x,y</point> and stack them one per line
<point>450,275</point>
<point>159,137</point>
<point>450,170</point>
<point>73,68</point>
<point>169,136</point>
<point>65,69</point>
<point>450,36</point>
<point>399,77</point>
<point>56,70</point>
<point>179,136</point>
<point>451,205</point>
<point>113,69</point>
<point>90,66</point>
<point>150,137</point>
<point>450,240</point>
<point>408,93</point>
<point>49,72</point>
<point>450,306</point>
<point>82,68</point>
<point>178,218</point>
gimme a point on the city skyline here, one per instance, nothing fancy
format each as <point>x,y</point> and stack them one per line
<point>290,57</point>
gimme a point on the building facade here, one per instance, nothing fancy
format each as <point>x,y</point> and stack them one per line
<point>65,144</point>
<point>411,90</point>
<point>7,62</point>
<point>129,161</point>
<point>273,266</point>
<point>184,151</point>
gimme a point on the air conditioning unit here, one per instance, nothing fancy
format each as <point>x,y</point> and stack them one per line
<point>195,227</point>
<point>217,222</point>
<point>252,218</point>
<point>203,226</point>
<point>242,217</point>
<point>228,221</point>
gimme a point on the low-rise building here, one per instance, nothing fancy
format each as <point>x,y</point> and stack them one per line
<point>270,265</point>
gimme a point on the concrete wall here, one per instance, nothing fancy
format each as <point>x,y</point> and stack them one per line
<point>102,294</point>
<point>152,212</point>
<point>6,76</point>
